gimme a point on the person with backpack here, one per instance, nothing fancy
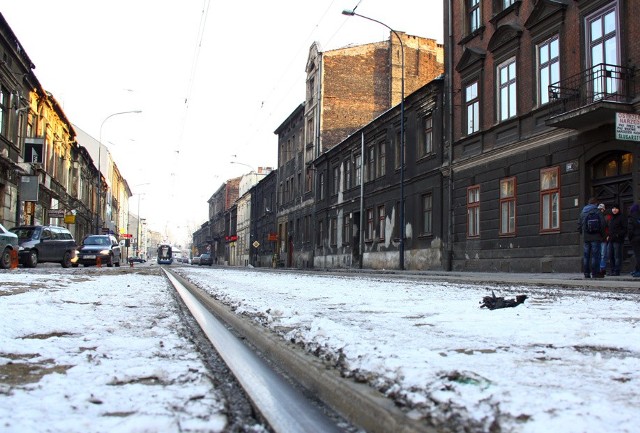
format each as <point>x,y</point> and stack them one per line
<point>617,232</point>
<point>633,232</point>
<point>591,225</point>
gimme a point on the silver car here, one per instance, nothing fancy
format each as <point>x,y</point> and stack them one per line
<point>8,244</point>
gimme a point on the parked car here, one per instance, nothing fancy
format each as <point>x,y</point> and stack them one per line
<point>104,247</point>
<point>45,244</point>
<point>8,243</point>
<point>136,260</point>
<point>206,259</point>
<point>195,260</point>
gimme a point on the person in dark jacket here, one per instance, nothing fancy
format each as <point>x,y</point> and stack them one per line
<point>617,232</point>
<point>633,232</point>
<point>592,240</point>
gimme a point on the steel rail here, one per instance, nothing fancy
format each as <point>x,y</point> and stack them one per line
<point>283,406</point>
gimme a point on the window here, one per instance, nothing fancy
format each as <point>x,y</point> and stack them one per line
<point>347,173</point>
<point>604,52</point>
<point>473,12</point>
<point>333,239</point>
<point>346,229</point>
<point>309,180</point>
<point>398,149</point>
<point>507,90</point>
<point>472,103</point>
<point>426,136</point>
<point>358,169</point>
<point>381,158</point>
<point>381,222</point>
<point>371,174</point>
<point>369,224</point>
<point>427,213</point>
<point>507,3</point>
<point>320,233</point>
<point>336,180</point>
<point>321,185</point>
<point>473,211</point>
<point>508,206</point>
<point>550,199</point>
<point>548,67</point>
<point>4,111</point>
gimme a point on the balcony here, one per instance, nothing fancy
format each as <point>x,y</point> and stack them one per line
<point>591,98</point>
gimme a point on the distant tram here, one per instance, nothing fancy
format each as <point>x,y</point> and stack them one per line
<point>165,255</point>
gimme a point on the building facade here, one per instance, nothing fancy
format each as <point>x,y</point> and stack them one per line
<point>362,187</point>
<point>535,88</point>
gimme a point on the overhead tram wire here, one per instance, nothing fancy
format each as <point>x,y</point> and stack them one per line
<point>287,70</point>
<point>190,84</point>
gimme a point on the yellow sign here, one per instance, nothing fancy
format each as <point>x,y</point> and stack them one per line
<point>69,219</point>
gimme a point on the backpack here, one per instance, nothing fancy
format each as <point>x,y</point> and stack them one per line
<point>592,223</point>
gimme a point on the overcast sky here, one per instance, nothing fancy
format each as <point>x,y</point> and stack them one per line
<point>213,79</point>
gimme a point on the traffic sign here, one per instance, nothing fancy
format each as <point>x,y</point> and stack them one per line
<point>255,244</point>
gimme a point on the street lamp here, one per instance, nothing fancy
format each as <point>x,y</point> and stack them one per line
<point>241,163</point>
<point>99,207</point>
<point>351,12</point>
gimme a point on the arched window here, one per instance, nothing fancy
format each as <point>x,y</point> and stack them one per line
<point>613,165</point>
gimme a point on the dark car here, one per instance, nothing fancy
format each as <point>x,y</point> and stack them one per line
<point>103,247</point>
<point>45,244</point>
<point>206,259</point>
<point>137,260</point>
<point>8,243</point>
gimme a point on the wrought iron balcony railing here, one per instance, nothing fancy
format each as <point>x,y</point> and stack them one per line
<point>600,83</point>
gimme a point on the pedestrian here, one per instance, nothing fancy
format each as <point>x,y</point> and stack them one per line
<point>633,232</point>
<point>592,226</point>
<point>617,232</point>
<point>604,246</point>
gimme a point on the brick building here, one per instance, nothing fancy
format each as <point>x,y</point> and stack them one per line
<point>346,88</point>
<point>535,89</point>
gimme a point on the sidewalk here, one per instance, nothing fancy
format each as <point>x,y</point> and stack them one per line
<point>623,282</point>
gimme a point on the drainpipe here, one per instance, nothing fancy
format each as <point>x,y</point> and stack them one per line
<point>361,241</point>
<point>449,132</point>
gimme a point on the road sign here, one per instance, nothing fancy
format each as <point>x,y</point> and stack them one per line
<point>56,213</point>
<point>126,235</point>
<point>255,244</point>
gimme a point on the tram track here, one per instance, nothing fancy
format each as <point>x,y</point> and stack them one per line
<point>284,406</point>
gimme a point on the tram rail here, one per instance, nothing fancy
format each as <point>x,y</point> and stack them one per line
<point>284,406</point>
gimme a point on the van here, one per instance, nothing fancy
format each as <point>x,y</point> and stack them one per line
<point>38,244</point>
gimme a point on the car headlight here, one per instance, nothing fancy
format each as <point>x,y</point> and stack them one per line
<point>104,252</point>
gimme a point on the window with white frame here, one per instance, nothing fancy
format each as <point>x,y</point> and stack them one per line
<point>473,211</point>
<point>550,199</point>
<point>321,185</point>
<point>604,52</point>
<point>473,13</point>
<point>426,136</point>
<point>507,92</point>
<point>358,169</point>
<point>548,67</point>
<point>472,104</point>
<point>508,206</point>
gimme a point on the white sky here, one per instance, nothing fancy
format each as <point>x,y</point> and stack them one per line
<point>564,361</point>
<point>213,79</point>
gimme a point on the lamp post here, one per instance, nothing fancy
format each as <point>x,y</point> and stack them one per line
<point>351,12</point>
<point>99,206</point>
<point>242,163</point>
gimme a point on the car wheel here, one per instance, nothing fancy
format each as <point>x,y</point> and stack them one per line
<point>66,259</point>
<point>75,265</point>
<point>32,259</point>
<point>5,260</point>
